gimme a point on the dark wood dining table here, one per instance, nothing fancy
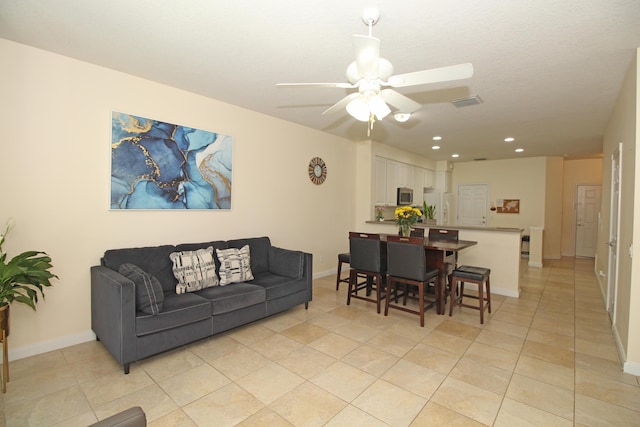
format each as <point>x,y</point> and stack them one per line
<point>436,255</point>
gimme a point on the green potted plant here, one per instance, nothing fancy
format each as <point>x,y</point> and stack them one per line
<point>22,278</point>
<point>429,213</point>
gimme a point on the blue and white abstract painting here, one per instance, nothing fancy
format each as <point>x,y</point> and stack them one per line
<point>158,165</point>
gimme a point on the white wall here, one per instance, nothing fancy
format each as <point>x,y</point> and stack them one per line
<point>553,197</point>
<point>522,179</point>
<point>623,128</point>
<point>55,118</point>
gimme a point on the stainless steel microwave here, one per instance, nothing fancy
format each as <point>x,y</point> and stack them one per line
<point>405,196</point>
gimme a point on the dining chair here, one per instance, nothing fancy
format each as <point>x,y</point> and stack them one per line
<point>407,265</point>
<point>451,258</point>
<point>417,232</point>
<point>369,260</point>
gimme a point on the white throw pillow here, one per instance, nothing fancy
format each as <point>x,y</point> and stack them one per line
<point>194,270</point>
<point>235,265</point>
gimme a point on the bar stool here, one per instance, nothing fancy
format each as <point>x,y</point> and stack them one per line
<point>344,258</point>
<point>368,259</point>
<point>477,275</point>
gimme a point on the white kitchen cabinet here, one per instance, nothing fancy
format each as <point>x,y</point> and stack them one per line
<point>380,184</point>
<point>390,174</point>
<point>429,178</point>
<point>418,185</point>
<point>392,169</point>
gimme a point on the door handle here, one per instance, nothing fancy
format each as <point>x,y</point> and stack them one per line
<point>612,243</point>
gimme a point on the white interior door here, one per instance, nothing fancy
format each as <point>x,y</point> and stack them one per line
<point>472,204</point>
<point>587,209</point>
<point>612,270</point>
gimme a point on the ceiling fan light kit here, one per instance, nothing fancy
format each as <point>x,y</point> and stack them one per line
<point>369,73</point>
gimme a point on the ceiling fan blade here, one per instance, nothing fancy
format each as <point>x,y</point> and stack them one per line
<point>435,75</point>
<point>338,85</point>
<point>402,103</point>
<point>342,104</point>
<point>367,50</point>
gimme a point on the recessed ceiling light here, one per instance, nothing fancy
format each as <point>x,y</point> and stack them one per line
<point>455,155</point>
<point>509,139</point>
<point>401,117</point>
<point>437,138</point>
<point>435,147</point>
<point>519,150</point>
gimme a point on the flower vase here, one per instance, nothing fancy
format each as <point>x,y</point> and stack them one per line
<point>405,230</point>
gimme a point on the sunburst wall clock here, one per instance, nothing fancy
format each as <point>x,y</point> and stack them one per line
<point>317,170</point>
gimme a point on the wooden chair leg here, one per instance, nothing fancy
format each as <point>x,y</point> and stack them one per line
<point>488,295</point>
<point>481,301</point>
<point>421,299</point>
<point>338,275</point>
<point>387,297</point>
<point>352,283</point>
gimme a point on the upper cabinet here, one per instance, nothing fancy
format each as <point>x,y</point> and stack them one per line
<point>390,174</point>
<point>380,184</point>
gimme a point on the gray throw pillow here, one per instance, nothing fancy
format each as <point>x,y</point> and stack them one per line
<point>149,295</point>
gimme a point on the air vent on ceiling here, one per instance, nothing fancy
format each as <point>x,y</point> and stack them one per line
<point>480,159</point>
<point>465,102</point>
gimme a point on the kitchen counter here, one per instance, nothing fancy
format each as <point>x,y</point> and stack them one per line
<point>498,248</point>
<point>451,227</point>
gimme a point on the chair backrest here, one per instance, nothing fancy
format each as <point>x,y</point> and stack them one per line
<point>417,232</point>
<point>406,257</point>
<point>442,234</point>
<point>368,252</point>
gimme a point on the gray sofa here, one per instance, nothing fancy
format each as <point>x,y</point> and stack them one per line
<point>281,279</point>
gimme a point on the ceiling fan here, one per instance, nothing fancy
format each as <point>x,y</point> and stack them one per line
<point>373,77</point>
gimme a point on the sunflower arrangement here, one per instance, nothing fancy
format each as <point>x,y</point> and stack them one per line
<point>406,216</point>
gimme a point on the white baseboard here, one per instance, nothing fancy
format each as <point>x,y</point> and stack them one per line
<point>321,274</point>
<point>535,264</point>
<point>632,368</point>
<point>51,345</point>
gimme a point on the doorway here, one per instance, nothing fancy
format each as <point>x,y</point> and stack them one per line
<point>472,205</point>
<point>614,234</point>
<point>587,213</point>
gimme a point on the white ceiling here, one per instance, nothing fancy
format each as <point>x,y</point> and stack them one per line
<point>548,71</point>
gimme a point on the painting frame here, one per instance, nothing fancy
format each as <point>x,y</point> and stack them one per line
<point>508,206</point>
<point>157,165</point>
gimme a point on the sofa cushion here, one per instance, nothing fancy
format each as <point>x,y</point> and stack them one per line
<point>149,294</point>
<point>278,286</point>
<point>235,265</point>
<point>194,270</point>
<point>178,310</point>
<point>259,251</point>
<point>153,260</point>
<point>286,262</point>
<point>225,299</point>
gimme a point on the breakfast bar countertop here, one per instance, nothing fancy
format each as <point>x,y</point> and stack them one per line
<point>453,227</point>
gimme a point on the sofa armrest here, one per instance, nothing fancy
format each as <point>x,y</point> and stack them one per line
<point>132,417</point>
<point>113,313</point>
<point>285,262</point>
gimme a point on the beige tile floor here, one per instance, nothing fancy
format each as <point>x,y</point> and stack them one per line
<point>546,359</point>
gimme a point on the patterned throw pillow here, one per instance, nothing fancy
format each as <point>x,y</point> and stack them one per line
<point>194,270</point>
<point>235,265</point>
<point>149,295</point>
